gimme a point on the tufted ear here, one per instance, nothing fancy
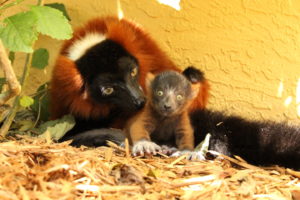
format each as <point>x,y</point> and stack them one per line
<point>149,79</point>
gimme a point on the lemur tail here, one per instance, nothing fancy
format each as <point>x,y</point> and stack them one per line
<point>98,137</point>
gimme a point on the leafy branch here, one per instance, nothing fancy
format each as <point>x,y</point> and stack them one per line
<point>19,33</point>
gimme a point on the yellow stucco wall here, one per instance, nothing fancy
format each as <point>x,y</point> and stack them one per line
<point>246,47</point>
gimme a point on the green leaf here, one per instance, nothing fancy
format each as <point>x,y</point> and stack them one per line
<point>25,125</point>
<point>52,22</point>
<point>57,128</point>
<point>61,7</point>
<point>40,58</point>
<point>19,32</point>
<point>26,101</point>
<point>42,102</point>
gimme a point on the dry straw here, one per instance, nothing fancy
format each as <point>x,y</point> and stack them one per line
<point>32,168</point>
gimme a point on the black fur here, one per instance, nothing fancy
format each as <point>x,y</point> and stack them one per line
<point>98,137</point>
<point>164,134</point>
<point>194,75</point>
<point>84,125</point>
<point>107,65</point>
<point>103,58</point>
<point>258,142</point>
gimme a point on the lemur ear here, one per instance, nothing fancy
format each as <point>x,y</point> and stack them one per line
<point>195,89</point>
<point>149,79</point>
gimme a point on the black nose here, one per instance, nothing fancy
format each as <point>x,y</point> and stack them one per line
<point>167,107</point>
<point>140,103</point>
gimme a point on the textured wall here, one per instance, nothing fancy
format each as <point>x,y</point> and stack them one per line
<point>246,47</point>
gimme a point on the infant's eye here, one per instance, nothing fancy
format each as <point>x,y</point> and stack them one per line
<point>107,91</point>
<point>159,93</point>
<point>133,72</point>
<point>179,97</point>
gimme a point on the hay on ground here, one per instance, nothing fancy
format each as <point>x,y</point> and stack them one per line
<point>33,168</point>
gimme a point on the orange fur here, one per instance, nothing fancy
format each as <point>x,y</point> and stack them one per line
<point>186,129</point>
<point>202,98</point>
<point>135,129</point>
<point>144,123</point>
<point>67,95</point>
<point>67,89</point>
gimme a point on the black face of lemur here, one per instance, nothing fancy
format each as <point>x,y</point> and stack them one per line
<point>170,93</point>
<point>111,76</point>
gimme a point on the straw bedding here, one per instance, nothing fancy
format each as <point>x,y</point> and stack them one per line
<point>32,168</point>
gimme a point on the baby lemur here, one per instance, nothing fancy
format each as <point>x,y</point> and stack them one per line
<point>165,119</point>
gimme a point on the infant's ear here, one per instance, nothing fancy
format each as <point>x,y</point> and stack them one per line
<point>149,79</point>
<point>195,89</point>
<point>194,75</point>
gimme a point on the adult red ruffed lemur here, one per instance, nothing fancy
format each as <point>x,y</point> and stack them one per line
<point>99,77</point>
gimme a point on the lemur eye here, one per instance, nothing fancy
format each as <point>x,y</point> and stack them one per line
<point>159,93</point>
<point>134,72</point>
<point>107,91</point>
<point>179,97</point>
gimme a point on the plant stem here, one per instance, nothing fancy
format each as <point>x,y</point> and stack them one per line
<point>10,4</point>
<point>39,110</point>
<point>3,2</point>
<point>13,83</point>
<point>26,68</point>
<point>8,121</point>
<point>40,2</point>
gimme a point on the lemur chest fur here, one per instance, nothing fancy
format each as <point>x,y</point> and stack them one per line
<point>164,130</point>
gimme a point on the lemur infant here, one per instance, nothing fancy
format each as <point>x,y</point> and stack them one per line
<point>164,119</point>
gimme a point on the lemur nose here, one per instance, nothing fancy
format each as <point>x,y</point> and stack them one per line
<point>139,103</point>
<point>167,107</point>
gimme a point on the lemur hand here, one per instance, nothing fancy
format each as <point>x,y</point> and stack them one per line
<point>168,150</point>
<point>143,147</point>
<point>190,155</point>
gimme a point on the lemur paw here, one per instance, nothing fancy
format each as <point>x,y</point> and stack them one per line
<point>190,155</point>
<point>180,153</point>
<point>168,150</point>
<point>196,155</point>
<point>141,148</point>
<point>194,75</point>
